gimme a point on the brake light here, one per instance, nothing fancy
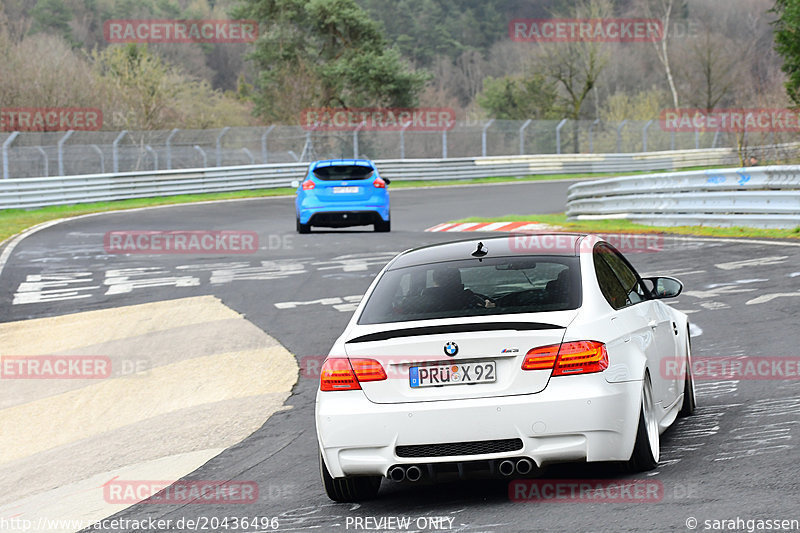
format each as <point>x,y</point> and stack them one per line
<point>379,183</point>
<point>542,358</point>
<point>577,357</point>
<point>344,374</point>
<point>581,357</point>
<point>368,370</point>
<point>308,185</point>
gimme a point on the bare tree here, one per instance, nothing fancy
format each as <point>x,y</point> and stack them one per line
<point>663,10</point>
<point>576,65</point>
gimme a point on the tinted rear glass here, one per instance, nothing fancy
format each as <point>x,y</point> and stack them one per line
<point>343,172</point>
<point>498,286</point>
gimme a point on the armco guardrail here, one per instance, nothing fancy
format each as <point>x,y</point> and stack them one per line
<point>766,197</point>
<point>40,192</point>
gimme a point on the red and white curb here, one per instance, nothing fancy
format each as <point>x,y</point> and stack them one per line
<point>513,227</point>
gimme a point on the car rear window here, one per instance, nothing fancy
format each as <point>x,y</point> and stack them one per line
<point>497,286</point>
<point>343,172</point>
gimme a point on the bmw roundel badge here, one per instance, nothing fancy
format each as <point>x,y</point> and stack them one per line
<point>451,349</point>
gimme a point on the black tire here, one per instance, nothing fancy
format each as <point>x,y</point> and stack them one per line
<point>646,452</point>
<point>349,489</point>
<point>303,228</point>
<point>383,227</point>
<point>689,398</point>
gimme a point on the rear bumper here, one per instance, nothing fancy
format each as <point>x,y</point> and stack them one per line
<point>575,418</point>
<point>340,216</point>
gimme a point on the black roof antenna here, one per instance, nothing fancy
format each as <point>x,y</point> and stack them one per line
<point>480,251</point>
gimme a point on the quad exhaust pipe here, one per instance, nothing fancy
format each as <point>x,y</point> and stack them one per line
<point>506,467</point>
<point>400,473</point>
<point>413,473</point>
<point>397,473</point>
<point>522,466</point>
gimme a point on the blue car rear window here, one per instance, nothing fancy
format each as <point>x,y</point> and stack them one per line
<point>343,172</point>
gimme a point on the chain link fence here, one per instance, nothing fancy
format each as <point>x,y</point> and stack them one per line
<point>42,154</point>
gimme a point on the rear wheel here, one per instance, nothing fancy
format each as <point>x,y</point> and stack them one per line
<point>689,399</point>
<point>303,228</point>
<point>383,226</point>
<point>348,489</point>
<point>646,449</point>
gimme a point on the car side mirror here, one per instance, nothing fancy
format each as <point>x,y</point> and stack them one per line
<point>664,286</point>
<point>295,184</point>
<point>387,181</point>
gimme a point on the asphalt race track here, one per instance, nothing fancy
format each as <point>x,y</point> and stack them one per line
<point>737,458</point>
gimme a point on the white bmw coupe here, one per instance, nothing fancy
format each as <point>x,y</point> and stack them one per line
<point>498,357</point>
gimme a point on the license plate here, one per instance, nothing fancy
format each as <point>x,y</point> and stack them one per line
<point>346,190</point>
<point>453,374</point>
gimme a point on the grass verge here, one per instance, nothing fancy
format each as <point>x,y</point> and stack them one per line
<point>624,226</point>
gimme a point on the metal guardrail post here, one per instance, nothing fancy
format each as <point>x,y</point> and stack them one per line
<point>202,153</point>
<point>644,135</point>
<point>483,137</point>
<point>45,162</point>
<point>102,158</point>
<point>672,140</point>
<point>403,140</point>
<point>219,144</point>
<point>249,154</point>
<point>169,147</point>
<point>591,135</point>
<point>264,153</point>
<point>558,135</point>
<point>61,142</point>
<point>444,144</point>
<point>6,145</point>
<point>355,139</point>
<point>696,139</point>
<point>522,137</point>
<point>619,135</point>
<point>115,150</point>
<point>152,152</point>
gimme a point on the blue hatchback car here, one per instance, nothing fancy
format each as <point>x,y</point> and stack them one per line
<point>337,193</point>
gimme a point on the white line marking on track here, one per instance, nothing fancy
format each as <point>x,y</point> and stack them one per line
<point>758,261</point>
<point>764,298</point>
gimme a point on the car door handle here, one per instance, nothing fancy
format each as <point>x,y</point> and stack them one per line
<point>653,324</point>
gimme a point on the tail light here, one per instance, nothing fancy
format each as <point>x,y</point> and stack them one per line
<point>542,358</point>
<point>345,374</point>
<point>379,183</point>
<point>577,357</point>
<point>308,185</point>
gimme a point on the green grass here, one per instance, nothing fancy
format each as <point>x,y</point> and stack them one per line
<point>619,226</point>
<point>13,221</point>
